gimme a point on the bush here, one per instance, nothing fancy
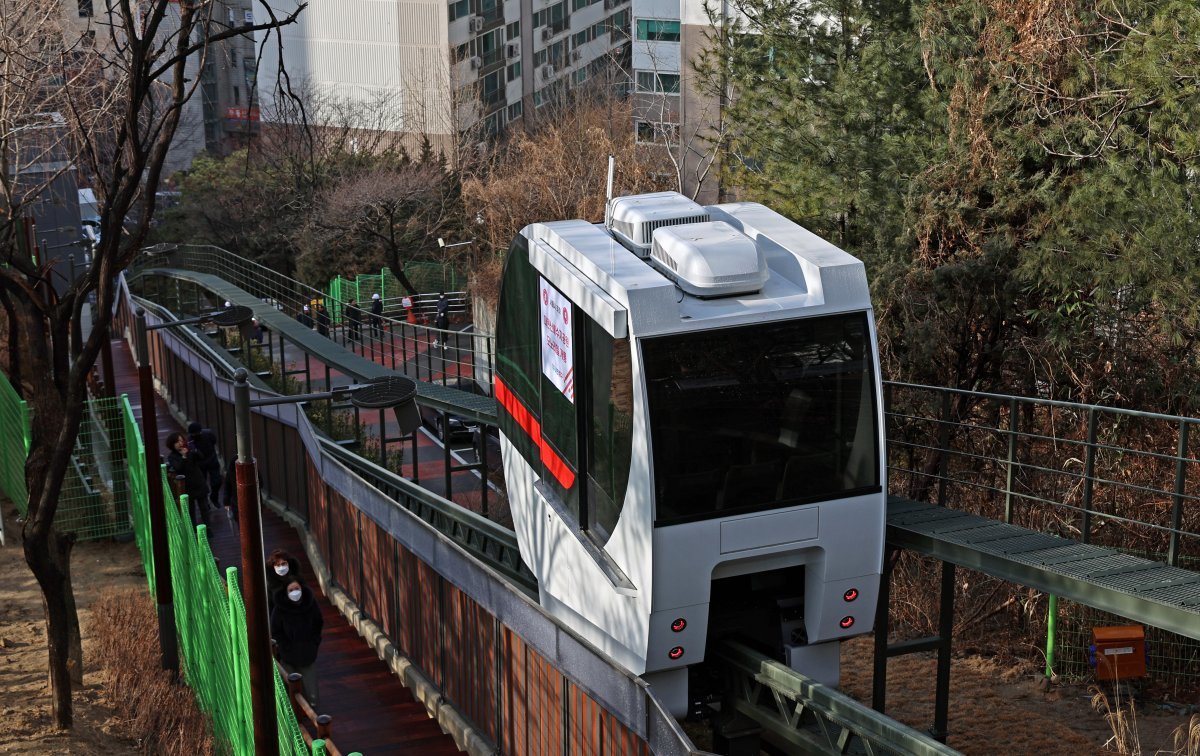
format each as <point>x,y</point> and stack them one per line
<point>162,714</point>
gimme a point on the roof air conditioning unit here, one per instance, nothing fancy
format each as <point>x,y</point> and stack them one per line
<point>709,259</point>
<point>512,50</point>
<point>476,61</point>
<point>634,219</point>
<point>547,33</point>
<point>476,23</point>
<point>547,71</point>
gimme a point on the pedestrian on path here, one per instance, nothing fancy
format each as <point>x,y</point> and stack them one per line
<point>183,461</point>
<point>304,318</point>
<point>377,317</point>
<point>354,318</point>
<point>282,568</point>
<point>322,320</point>
<point>296,625</point>
<point>442,320</point>
<point>204,441</point>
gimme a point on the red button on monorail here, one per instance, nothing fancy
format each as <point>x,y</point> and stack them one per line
<point>847,622</point>
<point>675,653</point>
<point>678,625</point>
<point>850,595</point>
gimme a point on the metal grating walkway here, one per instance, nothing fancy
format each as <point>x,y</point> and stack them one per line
<point>1150,592</point>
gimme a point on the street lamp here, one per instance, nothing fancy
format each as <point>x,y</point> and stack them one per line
<point>164,596</point>
<point>397,392</point>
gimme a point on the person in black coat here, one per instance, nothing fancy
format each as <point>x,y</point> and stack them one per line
<point>322,320</point>
<point>354,318</point>
<point>304,319</point>
<point>204,441</point>
<point>183,460</point>
<point>441,320</point>
<point>377,316</point>
<point>282,568</point>
<point>296,625</point>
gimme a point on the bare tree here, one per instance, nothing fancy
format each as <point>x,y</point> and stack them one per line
<point>105,99</point>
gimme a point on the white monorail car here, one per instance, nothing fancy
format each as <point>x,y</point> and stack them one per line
<point>690,418</point>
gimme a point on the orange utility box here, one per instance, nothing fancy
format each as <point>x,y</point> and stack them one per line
<point>1119,653</point>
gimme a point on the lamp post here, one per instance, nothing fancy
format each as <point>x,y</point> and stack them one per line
<point>397,392</point>
<point>163,593</point>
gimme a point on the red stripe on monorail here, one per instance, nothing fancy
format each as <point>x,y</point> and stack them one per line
<point>519,412</point>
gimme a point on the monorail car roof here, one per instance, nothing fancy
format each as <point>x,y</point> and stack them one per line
<point>805,272</point>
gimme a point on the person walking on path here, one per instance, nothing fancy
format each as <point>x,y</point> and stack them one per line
<point>304,319</point>
<point>322,320</point>
<point>282,568</point>
<point>442,320</point>
<point>183,461</point>
<point>296,625</point>
<point>354,318</point>
<point>377,317</point>
<point>205,443</point>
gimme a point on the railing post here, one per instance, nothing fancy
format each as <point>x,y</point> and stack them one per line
<point>1089,468</point>
<point>295,687</point>
<point>324,726</point>
<point>1013,416</point>
<point>1177,498</point>
<point>943,448</point>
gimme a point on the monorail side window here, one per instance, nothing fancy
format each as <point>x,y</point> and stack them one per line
<point>763,416</point>
<point>518,356</point>
<point>610,441</point>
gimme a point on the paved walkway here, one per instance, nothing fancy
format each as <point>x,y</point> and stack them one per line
<point>372,712</point>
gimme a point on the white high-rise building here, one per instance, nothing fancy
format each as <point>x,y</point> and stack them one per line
<point>444,64</point>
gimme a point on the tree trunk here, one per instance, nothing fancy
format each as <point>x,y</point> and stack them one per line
<point>48,554</point>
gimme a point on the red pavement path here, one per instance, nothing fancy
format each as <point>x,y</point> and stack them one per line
<point>372,712</point>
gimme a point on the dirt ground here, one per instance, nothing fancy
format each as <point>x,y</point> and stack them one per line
<point>999,709</point>
<point>24,690</point>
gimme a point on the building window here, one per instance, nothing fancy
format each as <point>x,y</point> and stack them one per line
<point>650,81</point>
<point>654,30</point>
<point>514,71</point>
<point>515,111</point>
<point>459,9</point>
<point>654,132</point>
<point>513,30</point>
<point>85,8</point>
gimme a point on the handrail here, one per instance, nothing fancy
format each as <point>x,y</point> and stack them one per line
<point>493,544</point>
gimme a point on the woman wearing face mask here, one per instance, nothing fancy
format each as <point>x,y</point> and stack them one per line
<point>282,568</point>
<point>296,625</point>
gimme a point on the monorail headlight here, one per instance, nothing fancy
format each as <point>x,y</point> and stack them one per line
<point>678,625</point>
<point>850,595</point>
<point>676,653</point>
<point>847,622</point>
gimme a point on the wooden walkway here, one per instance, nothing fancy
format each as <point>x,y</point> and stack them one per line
<point>372,712</point>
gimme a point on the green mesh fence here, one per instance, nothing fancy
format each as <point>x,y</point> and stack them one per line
<point>426,277</point>
<point>14,448</point>
<point>93,502</point>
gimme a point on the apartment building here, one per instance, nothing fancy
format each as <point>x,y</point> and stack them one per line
<point>228,92</point>
<point>670,107</point>
<point>447,64</point>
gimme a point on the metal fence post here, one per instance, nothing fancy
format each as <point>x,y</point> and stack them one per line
<point>1012,458</point>
<point>1177,498</point>
<point>943,448</point>
<point>1089,468</point>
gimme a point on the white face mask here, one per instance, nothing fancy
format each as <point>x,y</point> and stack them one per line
<point>294,595</point>
<point>281,569</point>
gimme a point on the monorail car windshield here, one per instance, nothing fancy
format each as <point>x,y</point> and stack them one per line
<point>761,416</point>
<point>690,421</point>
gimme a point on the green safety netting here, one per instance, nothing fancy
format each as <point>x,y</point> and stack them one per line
<point>427,277</point>
<point>210,617</point>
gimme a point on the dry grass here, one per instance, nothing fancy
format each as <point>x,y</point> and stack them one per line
<point>1122,720</point>
<point>162,714</point>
